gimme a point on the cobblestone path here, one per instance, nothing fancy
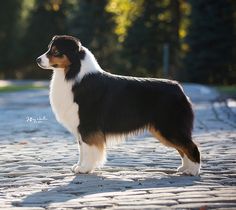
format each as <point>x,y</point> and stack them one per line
<point>36,154</point>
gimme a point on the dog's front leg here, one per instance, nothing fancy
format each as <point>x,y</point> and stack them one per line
<point>91,155</point>
<point>79,141</point>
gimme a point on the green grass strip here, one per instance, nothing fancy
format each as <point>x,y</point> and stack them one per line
<point>229,90</point>
<point>14,88</point>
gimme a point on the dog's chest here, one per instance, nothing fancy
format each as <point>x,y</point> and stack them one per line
<point>62,102</point>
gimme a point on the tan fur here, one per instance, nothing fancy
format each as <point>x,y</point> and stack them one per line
<point>181,153</point>
<point>165,141</point>
<point>182,149</point>
<point>61,62</point>
<point>113,139</point>
<point>161,138</point>
<point>188,149</point>
<point>96,139</point>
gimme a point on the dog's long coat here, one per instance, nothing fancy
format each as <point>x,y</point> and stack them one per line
<point>96,105</point>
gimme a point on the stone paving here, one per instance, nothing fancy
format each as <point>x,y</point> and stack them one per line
<point>36,155</point>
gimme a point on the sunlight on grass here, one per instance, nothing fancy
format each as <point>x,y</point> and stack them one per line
<point>14,88</point>
<point>230,90</point>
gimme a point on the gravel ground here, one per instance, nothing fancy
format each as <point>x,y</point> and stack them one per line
<point>37,154</point>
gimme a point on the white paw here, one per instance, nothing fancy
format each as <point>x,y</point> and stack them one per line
<point>193,169</point>
<point>181,168</point>
<point>74,167</point>
<point>78,169</point>
<point>185,164</point>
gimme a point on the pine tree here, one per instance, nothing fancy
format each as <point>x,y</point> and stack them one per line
<point>94,26</point>
<point>9,15</point>
<point>232,76</point>
<point>210,41</point>
<point>156,26</point>
<point>140,46</point>
<point>47,19</point>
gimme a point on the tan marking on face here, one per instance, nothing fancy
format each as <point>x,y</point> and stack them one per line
<point>60,62</point>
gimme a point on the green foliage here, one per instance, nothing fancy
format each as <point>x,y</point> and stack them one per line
<point>9,15</point>
<point>47,19</point>
<point>210,41</point>
<point>228,90</point>
<point>41,20</point>
<point>14,88</point>
<point>94,26</point>
<point>126,36</point>
<point>157,24</point>
<point>125,12</point>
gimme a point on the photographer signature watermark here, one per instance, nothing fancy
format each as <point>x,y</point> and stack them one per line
<point>39,119</point>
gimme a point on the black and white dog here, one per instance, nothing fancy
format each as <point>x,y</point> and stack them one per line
<point>96,106</point>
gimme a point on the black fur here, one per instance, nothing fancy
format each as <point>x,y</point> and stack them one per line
<point>111,104</point>
<point>115,105</point>
<point>71,47</point>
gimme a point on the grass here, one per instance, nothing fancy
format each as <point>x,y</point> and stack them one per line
<point>227,90</point>
<point>14,88</point>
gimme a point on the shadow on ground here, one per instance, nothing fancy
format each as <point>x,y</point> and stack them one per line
<point>89,185</point>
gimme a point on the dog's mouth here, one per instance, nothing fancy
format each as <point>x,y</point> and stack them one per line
<point>48,61</point>
<point>42,66</point>
<point>43,62</point>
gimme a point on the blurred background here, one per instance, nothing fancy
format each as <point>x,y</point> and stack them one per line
<point>188,40</point>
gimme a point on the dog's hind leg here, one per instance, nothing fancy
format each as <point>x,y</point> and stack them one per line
<point>185,161</point>
<point>187,149</point>
<point>92,153</point>
<point>190,159</point>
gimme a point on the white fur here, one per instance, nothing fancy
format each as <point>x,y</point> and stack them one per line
<point>80,153</point>
<point>193,169</point>
<point>184,164</point>
<point>88,65</point>
<point>90,158</point>
<point>44,63</point>
<point>188,167</point>
<point>62,101</point>
<point>66,110</point>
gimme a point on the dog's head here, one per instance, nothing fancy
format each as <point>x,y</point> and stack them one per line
<point>64,54</point>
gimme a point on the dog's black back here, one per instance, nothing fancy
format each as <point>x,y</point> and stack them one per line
<point>117,104</point>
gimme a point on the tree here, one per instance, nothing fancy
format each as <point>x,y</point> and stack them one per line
<point>210,41</point>
<point>94,26</point>
<point>156,25</point>
<point>124,11</point>
<point>175,12</point>
<point>9,15</point>
<point>232,72</point>
<point>47,19</point>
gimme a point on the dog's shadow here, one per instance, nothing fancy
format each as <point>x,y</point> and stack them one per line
<point>91,184</point>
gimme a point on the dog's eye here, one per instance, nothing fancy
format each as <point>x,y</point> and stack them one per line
<point>57,53</point>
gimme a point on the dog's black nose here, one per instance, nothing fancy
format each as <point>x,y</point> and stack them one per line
<point>38,60</point>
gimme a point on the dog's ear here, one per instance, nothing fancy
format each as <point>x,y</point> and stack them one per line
<point>75,58</point>
<point>54,37</point>
<point>78,43</point>
<point>52,40</point>
<point>78,53</point>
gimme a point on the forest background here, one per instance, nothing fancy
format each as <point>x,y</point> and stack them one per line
<point>187,40</point>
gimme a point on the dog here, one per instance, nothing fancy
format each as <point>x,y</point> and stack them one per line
<point>97,106</point>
